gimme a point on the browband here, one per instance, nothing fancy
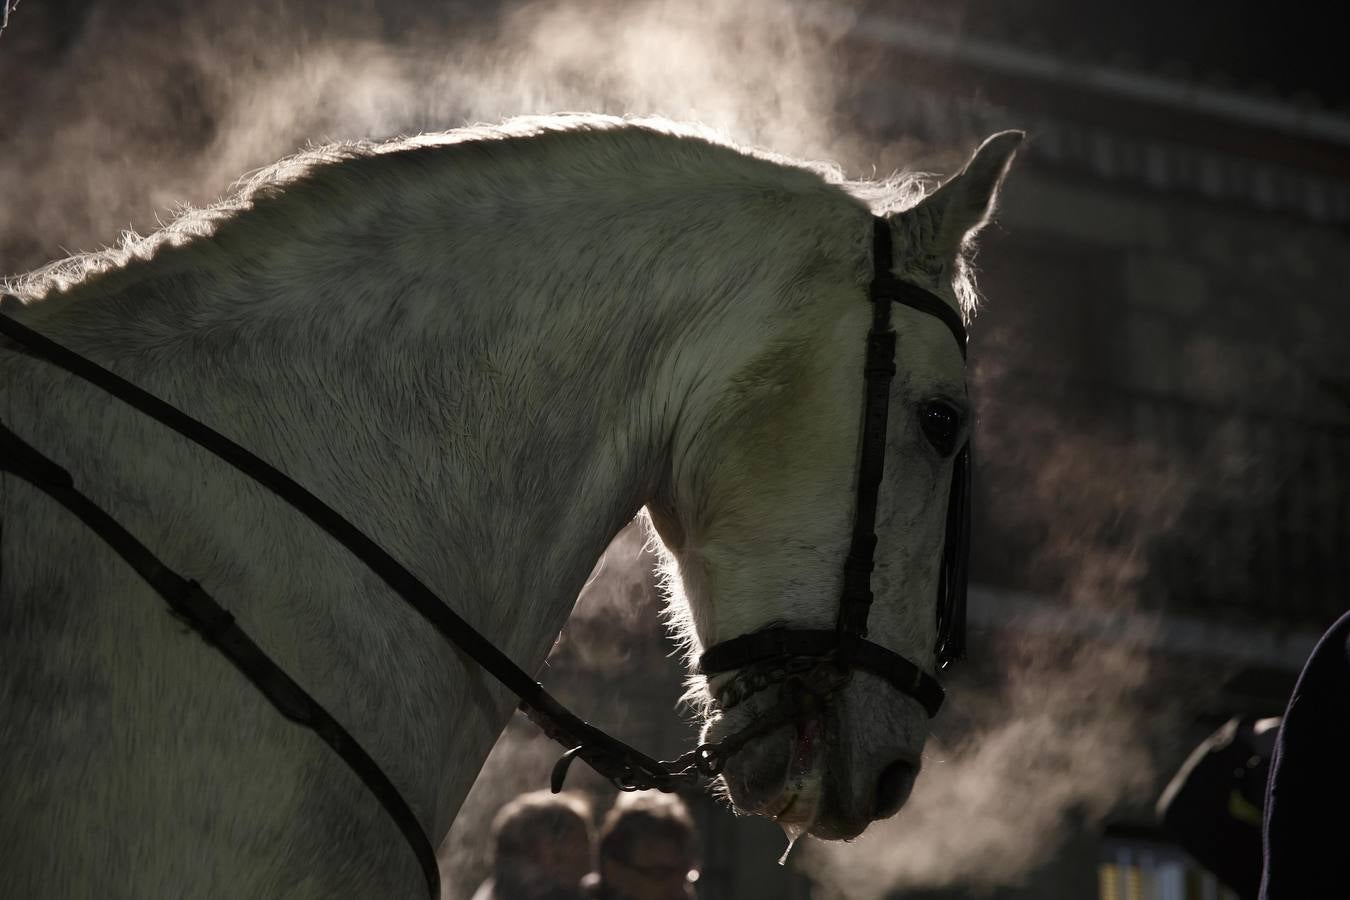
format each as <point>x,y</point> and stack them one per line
<point>885,286</point>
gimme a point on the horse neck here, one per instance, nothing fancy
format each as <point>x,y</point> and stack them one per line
<point>493,434</point>
<point>493,441</point>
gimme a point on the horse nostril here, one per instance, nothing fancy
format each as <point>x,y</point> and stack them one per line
<point>893,788</point>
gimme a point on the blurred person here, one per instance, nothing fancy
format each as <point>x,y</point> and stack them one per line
<point>647,851</point>
<point>541,848</point>
<point>1307,833</point>
<point>1213,805</point>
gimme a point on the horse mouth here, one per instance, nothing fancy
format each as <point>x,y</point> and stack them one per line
<point>791,775</point>
<point>798,805</point>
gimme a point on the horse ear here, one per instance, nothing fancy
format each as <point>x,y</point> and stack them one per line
<point>953,213</point>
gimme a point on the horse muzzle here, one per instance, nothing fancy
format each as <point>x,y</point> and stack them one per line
<point>787,758</point>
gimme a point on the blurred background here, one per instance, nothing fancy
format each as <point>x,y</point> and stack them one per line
<point>1161,366</point>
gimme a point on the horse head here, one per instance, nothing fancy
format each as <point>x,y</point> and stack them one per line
<point>758,514</point>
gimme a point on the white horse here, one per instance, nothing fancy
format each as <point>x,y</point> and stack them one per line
<point>489,349</point>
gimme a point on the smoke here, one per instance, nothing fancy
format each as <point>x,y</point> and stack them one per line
<point>1051,749</point>
<point>114,113</point>
<point>118,112</point>
<point>612,621</point>
<point>1093,505</point>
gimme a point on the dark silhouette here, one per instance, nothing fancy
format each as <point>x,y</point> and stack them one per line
<point>1307,834</point>
<point>1212,807</point>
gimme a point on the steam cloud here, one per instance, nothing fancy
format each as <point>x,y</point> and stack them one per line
<point>215,89</point>
<point>1056,748</point>
<point>145,105</point>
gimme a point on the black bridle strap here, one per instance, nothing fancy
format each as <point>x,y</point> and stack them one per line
<point>607,755</point>
<point>885,286</point>
<point>219,629</point>
<point>777,643</point>
<point>907,294</point>
<point>878,369</point>
<point>955,563</point>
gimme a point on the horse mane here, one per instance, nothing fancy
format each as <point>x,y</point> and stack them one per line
<point>274,193</point>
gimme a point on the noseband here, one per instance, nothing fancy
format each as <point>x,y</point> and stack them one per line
<point>840,650</point>
<point>763,658</point>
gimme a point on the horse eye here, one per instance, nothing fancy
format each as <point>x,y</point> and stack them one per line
<point>940,424</point>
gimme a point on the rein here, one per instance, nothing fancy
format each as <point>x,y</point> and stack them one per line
<point>615,760</point>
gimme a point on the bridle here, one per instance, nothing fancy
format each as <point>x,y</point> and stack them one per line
<point>784,650</point>
<point>843,649</point>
